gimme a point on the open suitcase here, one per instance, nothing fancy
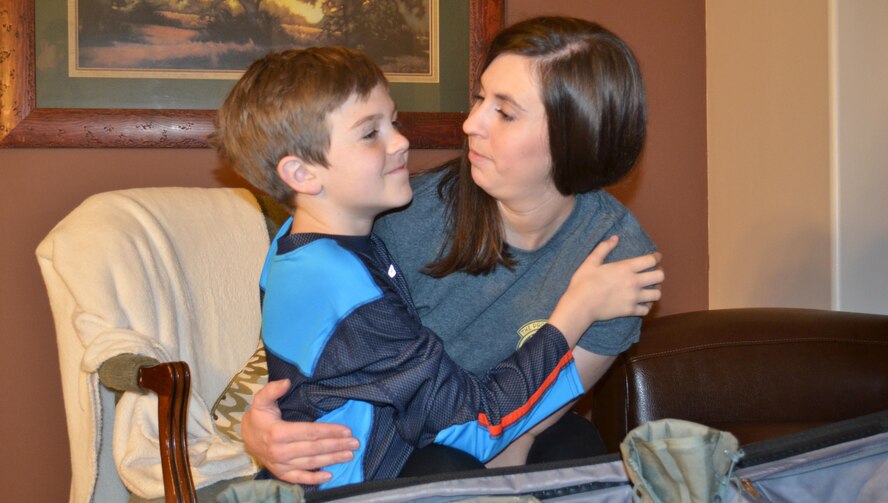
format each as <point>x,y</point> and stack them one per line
<point>841,462</point>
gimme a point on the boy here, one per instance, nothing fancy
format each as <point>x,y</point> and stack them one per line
<point>316,129</point>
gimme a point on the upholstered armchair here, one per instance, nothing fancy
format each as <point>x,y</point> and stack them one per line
<point>138,279</point>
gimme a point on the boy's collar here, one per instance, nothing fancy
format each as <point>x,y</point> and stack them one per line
<point>290,242</point>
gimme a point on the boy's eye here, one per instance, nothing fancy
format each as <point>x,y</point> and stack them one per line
<point>396,124</point>
<point>371,134</point>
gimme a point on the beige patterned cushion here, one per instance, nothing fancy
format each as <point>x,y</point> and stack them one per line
<point>238,395</point>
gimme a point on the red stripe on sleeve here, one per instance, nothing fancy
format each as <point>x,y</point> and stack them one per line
<point>497,429</point>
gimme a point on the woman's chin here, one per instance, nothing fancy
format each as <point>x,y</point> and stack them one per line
<point>478,176</point>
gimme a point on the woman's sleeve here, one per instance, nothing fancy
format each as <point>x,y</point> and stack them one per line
<point>612,337</point>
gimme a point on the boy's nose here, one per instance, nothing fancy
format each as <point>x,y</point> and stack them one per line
<point>399,143</point>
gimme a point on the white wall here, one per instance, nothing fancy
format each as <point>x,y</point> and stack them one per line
<point>797,125</point>
<point>861,154</point>
<point>768,130</point>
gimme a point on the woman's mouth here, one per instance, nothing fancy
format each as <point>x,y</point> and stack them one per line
<point>476,157</point>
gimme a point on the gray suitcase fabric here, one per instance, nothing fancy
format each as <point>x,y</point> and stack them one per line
<point>843,462</point>
<point>600,479</point>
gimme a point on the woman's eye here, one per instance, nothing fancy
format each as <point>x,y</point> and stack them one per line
<point>506,117</point>
<point>477,98</point>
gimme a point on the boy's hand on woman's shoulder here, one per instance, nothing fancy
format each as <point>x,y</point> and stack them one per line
<point>603,291</point>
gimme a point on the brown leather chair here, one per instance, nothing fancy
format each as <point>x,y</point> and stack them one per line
<point>757,373</point>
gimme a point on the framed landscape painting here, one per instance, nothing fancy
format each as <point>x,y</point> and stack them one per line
<point>217,39</point>
<point>150,73</point>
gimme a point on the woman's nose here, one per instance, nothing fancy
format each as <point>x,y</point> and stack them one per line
<point>473,124</point>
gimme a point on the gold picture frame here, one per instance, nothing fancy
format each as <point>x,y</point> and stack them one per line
<point>23,124</point>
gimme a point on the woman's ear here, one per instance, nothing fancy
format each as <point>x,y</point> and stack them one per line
<point>299,176</point>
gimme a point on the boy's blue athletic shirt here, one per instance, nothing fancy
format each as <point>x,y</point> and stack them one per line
<point>338,321</point>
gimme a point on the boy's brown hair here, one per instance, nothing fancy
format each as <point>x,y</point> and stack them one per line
<point>279,107</point>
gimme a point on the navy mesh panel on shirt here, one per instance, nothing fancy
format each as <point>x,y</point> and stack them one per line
<point>381,354</point>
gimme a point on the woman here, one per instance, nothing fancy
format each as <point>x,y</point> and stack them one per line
<point>559,113</point>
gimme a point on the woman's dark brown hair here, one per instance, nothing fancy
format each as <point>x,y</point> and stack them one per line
<point>593,93</point>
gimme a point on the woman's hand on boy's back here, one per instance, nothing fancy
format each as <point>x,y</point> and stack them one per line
<point>603,291</point>
<point>293,451</point>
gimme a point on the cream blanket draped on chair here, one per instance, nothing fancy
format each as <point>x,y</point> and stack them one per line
<point>169,273</point>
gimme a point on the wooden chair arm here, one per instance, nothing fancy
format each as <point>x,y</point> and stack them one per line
<point>172,383</point>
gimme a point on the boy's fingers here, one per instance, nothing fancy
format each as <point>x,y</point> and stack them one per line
<point>658,257</point>
<point>649,261</point>
<point>603,249</point>
<point>651,278</point>
<point>649,295</point>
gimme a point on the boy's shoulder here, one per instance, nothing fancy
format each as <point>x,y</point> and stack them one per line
<point>316,250</point>
<point>318,265</point>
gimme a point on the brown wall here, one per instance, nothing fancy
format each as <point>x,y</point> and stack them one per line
<point>38,187</point>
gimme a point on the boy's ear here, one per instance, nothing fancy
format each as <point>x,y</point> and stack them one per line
<point>299,175</point>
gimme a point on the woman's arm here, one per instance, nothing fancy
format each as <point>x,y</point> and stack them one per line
<point>293,451</point>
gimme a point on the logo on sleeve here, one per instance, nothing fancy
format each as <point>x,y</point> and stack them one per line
<point>527,331</point>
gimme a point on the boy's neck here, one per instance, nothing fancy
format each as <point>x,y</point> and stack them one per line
<point>305,221</point>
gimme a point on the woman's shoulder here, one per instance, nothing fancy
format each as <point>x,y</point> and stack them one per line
<point>426,199</point>
<point>601,206</point>
<point>604,199</point>
<point>608,216</point>
<point>425,184</point>
<point>415,231</point>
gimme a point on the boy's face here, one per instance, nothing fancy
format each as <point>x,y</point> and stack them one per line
<point>367,171</point>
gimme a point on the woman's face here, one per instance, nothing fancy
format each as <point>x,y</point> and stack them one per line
<point>508,134</point>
